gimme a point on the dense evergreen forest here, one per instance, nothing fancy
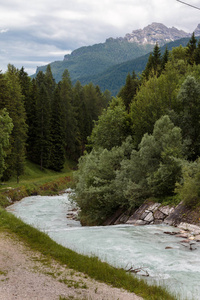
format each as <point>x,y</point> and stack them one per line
<point>44,121</point>
<point>142,144</point>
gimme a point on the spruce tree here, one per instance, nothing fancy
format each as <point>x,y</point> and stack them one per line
<point>190,50</point>
<point>164,59</point>
<point>72,145</point>
<point>43,113</point>
<point>50,82</point>
<point>154,63</point>
<point>15,106</point>
<point>57,156</point>
<point>84,121</point>
<point>197,54</point>
<point>31,111</point>
<point>6,127</point>
<point>128,91</point>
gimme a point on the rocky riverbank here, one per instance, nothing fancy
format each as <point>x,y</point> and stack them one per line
<point>149,213</point>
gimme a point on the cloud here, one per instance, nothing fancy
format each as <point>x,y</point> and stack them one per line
<point>42,31</point>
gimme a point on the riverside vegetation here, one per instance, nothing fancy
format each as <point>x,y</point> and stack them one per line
<point>144,144</point>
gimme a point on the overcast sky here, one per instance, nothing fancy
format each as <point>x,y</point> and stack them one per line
<point>37,32</point>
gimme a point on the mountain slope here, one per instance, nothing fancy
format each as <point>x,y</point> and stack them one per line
<point>91,60</point>
<point>114,77</point>
<point>107,64</point>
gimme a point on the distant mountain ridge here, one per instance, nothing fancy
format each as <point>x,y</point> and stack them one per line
<point>157,33</point>
<point>92,62</point>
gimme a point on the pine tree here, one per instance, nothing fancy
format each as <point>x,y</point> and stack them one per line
<point>191,47</point>
<point>129,90</point>
<point>6,127</point>
<point>197,54</point>
<point>50,82</point>
<point>164,59</point>
<point>43,142</point>
<point>15,106</point>
<point>84,121</point>
<point>72,145</point>
<point>57,156</point>
<point>154,63</point>
<point>31,111</point>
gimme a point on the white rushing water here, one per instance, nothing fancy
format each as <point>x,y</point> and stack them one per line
<point>122,245</point>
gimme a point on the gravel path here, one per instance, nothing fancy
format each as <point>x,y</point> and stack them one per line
<point>25,274</point>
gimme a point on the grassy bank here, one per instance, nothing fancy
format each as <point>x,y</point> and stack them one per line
<point>47,182</point>
<point>36,182</point>
<point>91,266</point>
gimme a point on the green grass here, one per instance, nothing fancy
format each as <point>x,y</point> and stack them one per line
<point>91,266</point>
<point>34,181</point>
<point>33,174</point>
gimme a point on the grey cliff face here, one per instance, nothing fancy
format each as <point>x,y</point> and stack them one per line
<point>157,33</point>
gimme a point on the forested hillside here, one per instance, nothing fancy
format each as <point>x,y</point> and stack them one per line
<point>44,121</point>
<point>107,64</point>
<point>92,60</point>
<point>145,145</point>
<point>113,78</point>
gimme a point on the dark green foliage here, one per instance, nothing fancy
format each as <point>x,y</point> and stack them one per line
<point>191,47</point>
<point>165,59</point>
<point>71,138</point>
<point>31,112</point>
<point>43,123</point>
<point>83,118</point>
<point>154,64</point>
<point>189,116</point>
<point>57,153</point>
<point>129,90</point>
<point>6,127</point>
<point>14,104</point>
<point>197,54</point>
<point>50,82</point>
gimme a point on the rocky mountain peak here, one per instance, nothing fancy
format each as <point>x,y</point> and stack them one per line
<point>156,33</point>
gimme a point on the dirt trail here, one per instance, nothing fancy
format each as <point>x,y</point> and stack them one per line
<point>25,274</point>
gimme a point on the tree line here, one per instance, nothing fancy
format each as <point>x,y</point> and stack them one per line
<point>146,144</point>
<point>44,121</point>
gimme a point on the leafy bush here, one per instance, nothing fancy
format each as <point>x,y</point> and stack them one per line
<point>96,192</point>
<point>125,177</point>
<point>189,190</point>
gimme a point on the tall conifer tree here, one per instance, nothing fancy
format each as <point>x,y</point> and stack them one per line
<point>15,106</point>
<point>43,117</point>
<point>57,156</point>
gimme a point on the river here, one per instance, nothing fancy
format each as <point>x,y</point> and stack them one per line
<point>125,246</point>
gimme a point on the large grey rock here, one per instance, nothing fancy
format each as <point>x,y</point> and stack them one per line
<point>149,218</point>
<point>153,207</point>
<point>159,215</point>
<point>167,210</point>
<point>138,213</point>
